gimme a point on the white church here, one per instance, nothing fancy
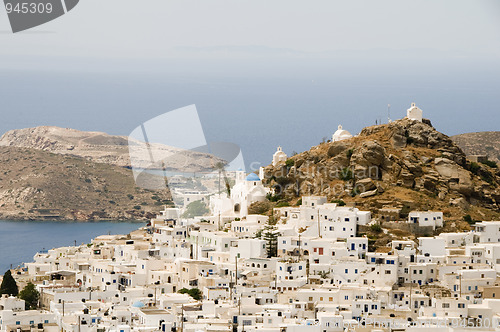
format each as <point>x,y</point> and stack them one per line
<point>414,113</point>
<point>248,189</point>
<point>279,156</point>
<point>341,134</point>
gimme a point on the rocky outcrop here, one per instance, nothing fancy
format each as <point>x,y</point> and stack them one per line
<point>402,163</point>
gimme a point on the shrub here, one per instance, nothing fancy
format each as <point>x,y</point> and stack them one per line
<point>195,293</point>
<point>376,228</point>
<point>299,202</point>
<point>346,174</point>
<point>469,219</point>
<point>282,204</point>
<point>273,198</point>
<point>405,210</point>
<point>474,168</point>
<point>349,153</point>
<point>490,163</point>
<point>137,207</point>
<point>289,163</point>
<point>339,202</point>
<point>196,208</point>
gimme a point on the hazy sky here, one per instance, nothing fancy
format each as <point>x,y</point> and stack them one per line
<point>162,29</point>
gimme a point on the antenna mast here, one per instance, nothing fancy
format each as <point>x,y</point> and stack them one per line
<point>389,113</point>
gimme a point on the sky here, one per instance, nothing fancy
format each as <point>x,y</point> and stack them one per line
<point>261,73</point>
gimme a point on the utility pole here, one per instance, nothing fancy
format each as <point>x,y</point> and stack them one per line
<point>319,227</point>
<point>230,285</point>
<point>460,283</point>
<point>182,317</point>
<point>411,283</point>
<point>236,268</point>
<point>300,253</point>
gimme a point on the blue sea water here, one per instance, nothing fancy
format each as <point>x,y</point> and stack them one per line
<point>21,240</point>
<point>257,105</point>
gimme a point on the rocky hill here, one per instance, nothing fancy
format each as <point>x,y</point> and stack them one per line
<point>103,148</point>
<point>481,143</point>
<point>37,185</point>
<point>402,166</point>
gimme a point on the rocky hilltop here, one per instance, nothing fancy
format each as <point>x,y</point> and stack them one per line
<point>38,185</point>
<point>402,166</point>
<point>485,143</point>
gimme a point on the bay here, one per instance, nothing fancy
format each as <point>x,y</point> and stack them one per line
<point>21,240</point>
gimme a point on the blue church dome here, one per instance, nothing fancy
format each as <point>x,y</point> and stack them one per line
<point>252,177</point>
<point>138,304</point>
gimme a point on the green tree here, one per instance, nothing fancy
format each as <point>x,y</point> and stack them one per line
<point>9,285</point>
<point>270,235</point>
<point>30,296</point>
<point>195,293</point>
<point>195,209</point>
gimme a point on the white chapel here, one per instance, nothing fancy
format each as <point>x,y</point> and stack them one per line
<point>341,134</point>
<point>279,156</point>
<point>414,113</point>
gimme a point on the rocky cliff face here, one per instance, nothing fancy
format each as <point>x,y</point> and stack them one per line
<point>405,164</point>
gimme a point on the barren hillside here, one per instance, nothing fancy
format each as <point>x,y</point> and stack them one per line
<point>39,185</point>
<point>481,143</point>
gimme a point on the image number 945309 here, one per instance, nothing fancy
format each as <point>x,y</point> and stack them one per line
<point>27,14</point>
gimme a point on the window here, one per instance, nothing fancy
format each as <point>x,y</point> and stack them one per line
<point>445,305</point>
<point>461,305</point>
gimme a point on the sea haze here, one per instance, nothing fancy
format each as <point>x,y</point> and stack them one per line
<point>257,104</point>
